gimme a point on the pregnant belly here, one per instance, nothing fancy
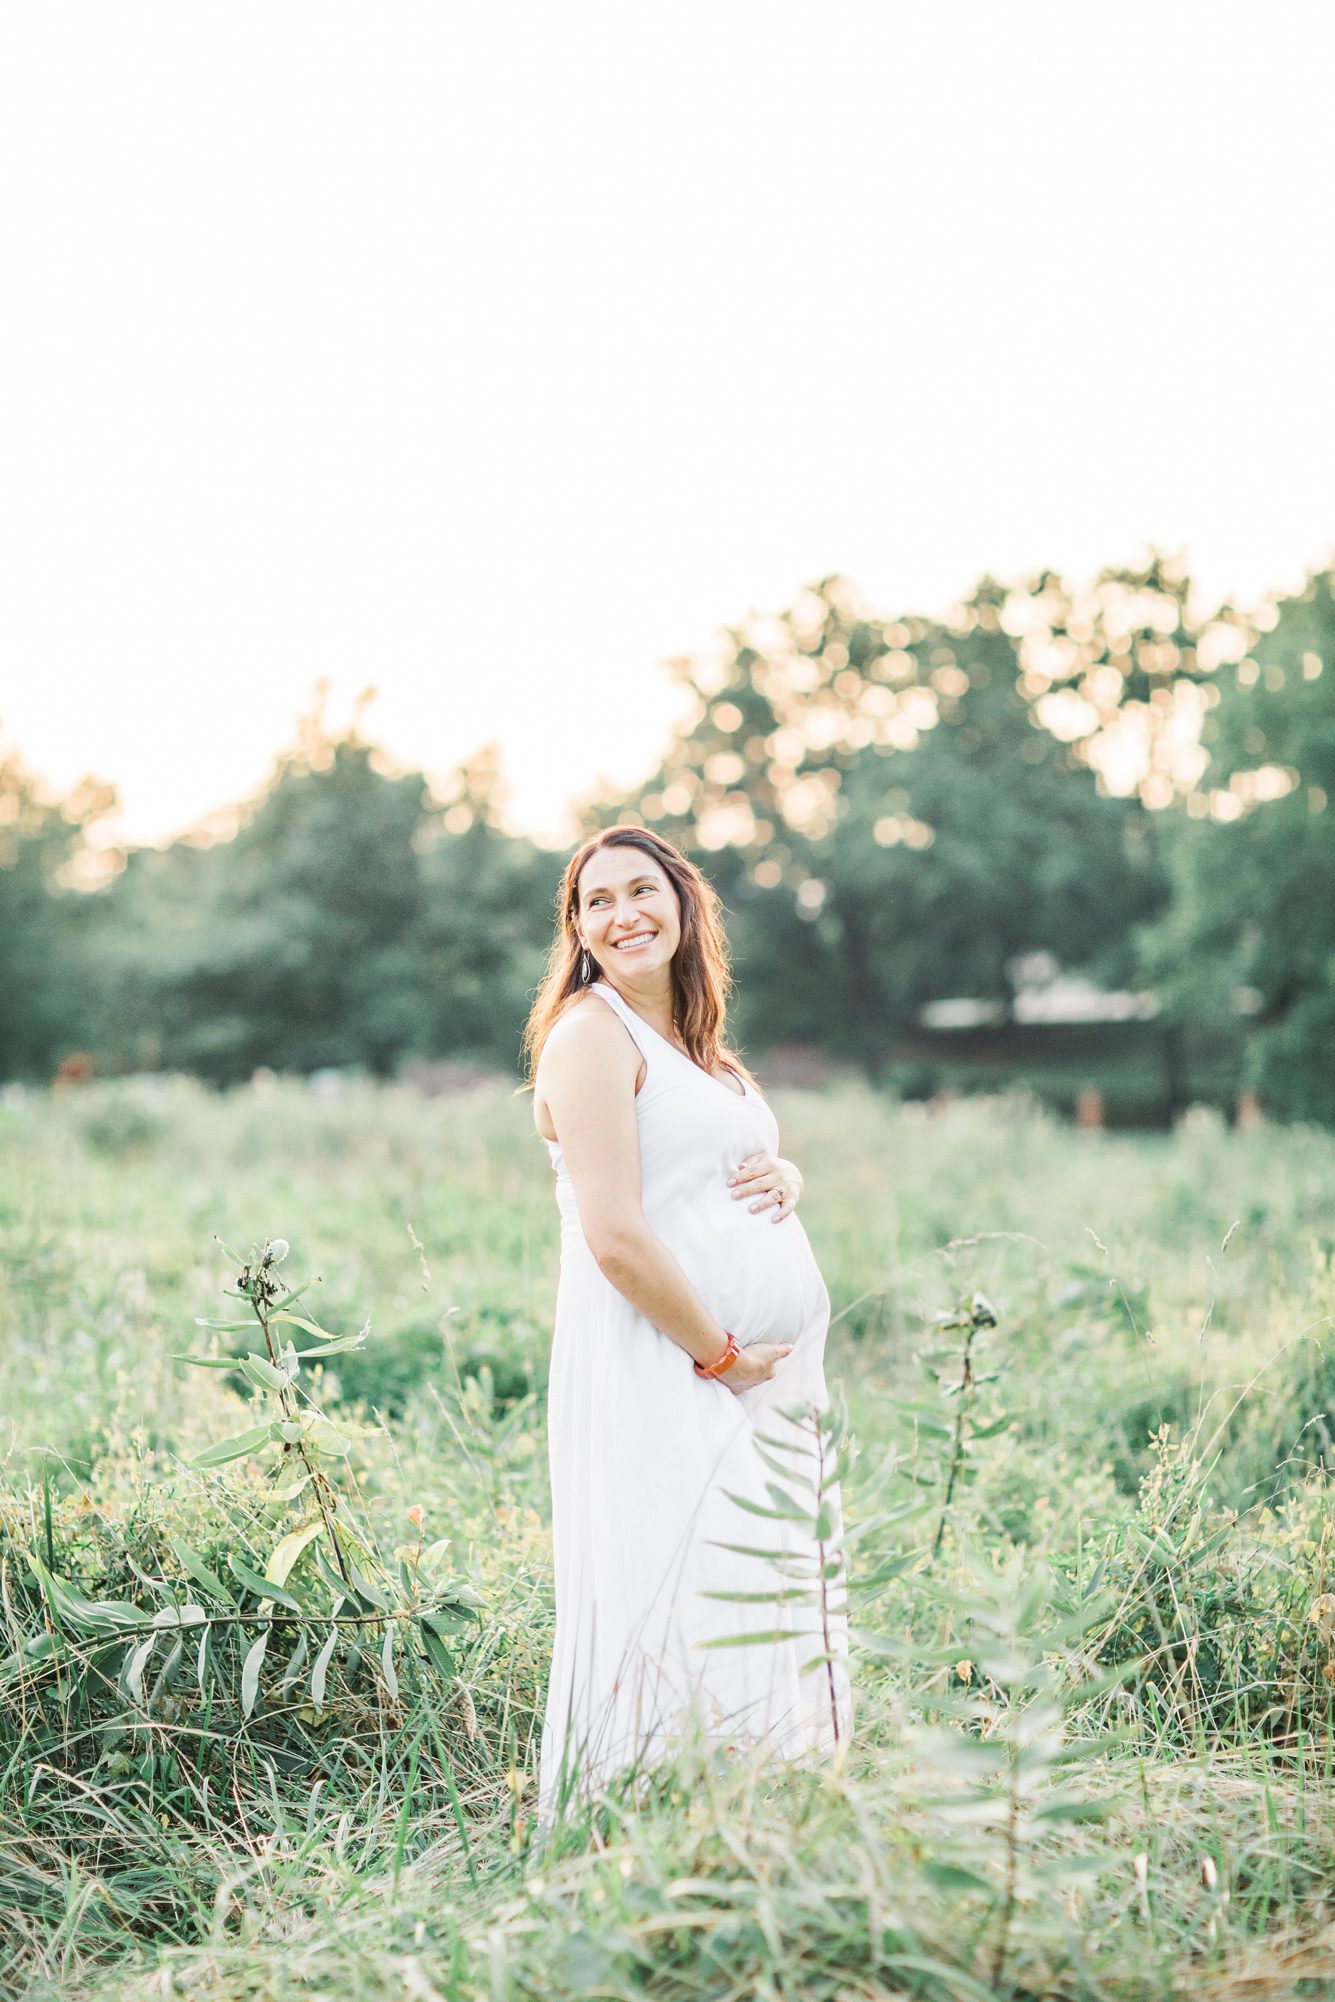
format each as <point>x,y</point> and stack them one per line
<point>758,1277</point>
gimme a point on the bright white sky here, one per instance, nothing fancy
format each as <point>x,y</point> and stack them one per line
<point>493,353</point>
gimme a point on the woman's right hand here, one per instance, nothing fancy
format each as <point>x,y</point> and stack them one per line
<point>754,1365</point>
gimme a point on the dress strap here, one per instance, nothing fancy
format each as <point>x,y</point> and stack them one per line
<point>641,1034</point>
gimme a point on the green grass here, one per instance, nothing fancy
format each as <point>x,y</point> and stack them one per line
<point>1148,1433</point>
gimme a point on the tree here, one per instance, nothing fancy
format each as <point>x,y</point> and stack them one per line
<point>488,905</point>
<point>45,924</point>
<point>1254,868</point>
<point>351,918</point>
<point>892,789</point>
<point>289,944</point>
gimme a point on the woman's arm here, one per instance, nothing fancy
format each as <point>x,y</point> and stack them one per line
<point>589,1066</point>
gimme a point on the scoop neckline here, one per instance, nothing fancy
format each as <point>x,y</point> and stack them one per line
<point>739,1097</point>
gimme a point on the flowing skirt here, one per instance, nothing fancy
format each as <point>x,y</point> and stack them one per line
<point>648,1462</point>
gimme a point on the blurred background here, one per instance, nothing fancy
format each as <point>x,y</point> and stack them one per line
<point>894,463</point>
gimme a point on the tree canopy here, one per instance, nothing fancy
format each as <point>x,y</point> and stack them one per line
<point>895,810</point>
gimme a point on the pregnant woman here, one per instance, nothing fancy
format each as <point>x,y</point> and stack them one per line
<point>690,1314</point>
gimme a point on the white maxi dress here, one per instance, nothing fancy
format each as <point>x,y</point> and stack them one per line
<point>645,1457</point>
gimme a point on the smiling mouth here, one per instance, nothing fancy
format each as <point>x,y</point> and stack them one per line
<point>631,944</point>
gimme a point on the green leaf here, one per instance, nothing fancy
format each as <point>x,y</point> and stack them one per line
<point>758,1550</point>
<point>285,1554</point>
<point>197,1569</point>
<point>250,1673</point>
<point>787,1504</point>
<point>441,1659</point>
<point>262,1373</point>
<point>755,1508</point>
<point>234,1448</point>
<point>207,1362</point>
<point>797,1414</point>
<point>448,1620</point>
<point>932,1428</point>
<point>188,1615</point>
<point>387,1661</point>
<point>229,1327</point>
<point>1068,1809</point>
<point>954,1877</point>
<point>371,1593</point>
<point>750,1640</point>
<point>295,1294</point>
<point>135,1663</point>
<point>816,1661</point>
<point>296,1662</point>
<point>881,1574</point>
<point>780,1467</point>
<point>786,1445</point>
<point>783,1596</point>
<point>321,1668</point>
<point>335,1345</point>
<point>167,1673</point>
<point>263,1588</point>
<point>290,1494</point>
<point>87,1615</point>
<point>307,1327</point>
<point>922,1655</point>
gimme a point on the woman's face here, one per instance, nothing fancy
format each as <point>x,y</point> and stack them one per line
<point>628,917</point>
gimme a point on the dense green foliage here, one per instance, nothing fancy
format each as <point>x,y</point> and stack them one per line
<point>894,810</point>
<point>884,806</point>
<point>341,925</point>
<point>1094,1414</point>
<point>47,942</point>
<point>1254,894</point>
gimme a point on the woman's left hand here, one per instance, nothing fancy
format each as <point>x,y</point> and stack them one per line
<point>767,1182</point>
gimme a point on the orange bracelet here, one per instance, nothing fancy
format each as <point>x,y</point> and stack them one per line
<point>725,1361</point>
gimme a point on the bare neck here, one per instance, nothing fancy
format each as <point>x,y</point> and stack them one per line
<point>652,1005</point>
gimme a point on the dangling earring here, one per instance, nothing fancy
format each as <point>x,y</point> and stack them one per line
<point>585,969</point>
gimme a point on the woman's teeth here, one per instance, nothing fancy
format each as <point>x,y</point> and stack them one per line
<point>633,944</point>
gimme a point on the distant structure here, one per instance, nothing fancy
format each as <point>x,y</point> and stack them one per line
<point>1100,1057</point>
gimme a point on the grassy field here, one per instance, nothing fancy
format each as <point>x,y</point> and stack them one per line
<point>1090,1397</point>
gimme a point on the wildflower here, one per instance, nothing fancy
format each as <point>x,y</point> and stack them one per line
<point>964,1670</point>
<point>417,1515</point>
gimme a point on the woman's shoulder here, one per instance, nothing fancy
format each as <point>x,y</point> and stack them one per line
<point>579,1010</point>
<point>585,1030</point>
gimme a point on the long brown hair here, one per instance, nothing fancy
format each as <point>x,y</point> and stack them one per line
<point>701,980</point>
